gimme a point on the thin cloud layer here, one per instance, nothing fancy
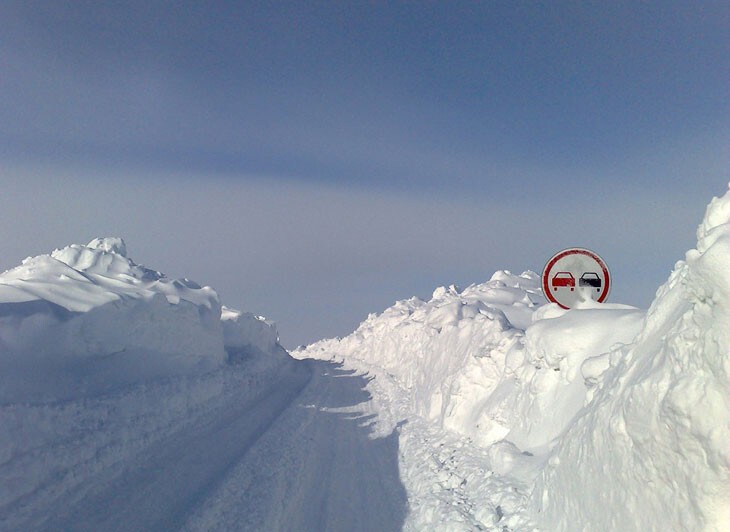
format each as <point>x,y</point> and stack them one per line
<point>315,163</point>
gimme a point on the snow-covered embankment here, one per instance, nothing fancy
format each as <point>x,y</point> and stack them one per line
<point>652,449</point>
<point>99,359</point>
<point>86,317</point>
<point>604,417</point>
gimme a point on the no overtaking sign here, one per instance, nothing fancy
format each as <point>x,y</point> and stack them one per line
<point>575,275</point>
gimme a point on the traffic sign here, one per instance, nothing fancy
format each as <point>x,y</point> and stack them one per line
<point>575,275</point>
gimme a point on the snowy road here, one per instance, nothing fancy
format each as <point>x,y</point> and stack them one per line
<point>316,468</point>
<point>298,456</point>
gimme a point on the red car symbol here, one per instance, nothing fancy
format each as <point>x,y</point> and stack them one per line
<point>563,279</point>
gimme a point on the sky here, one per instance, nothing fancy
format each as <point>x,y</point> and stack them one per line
<point>317,161</point>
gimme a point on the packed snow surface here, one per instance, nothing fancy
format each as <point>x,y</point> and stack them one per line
<point>129,401</point>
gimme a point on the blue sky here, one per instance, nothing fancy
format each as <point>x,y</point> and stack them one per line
<point>316,161</point>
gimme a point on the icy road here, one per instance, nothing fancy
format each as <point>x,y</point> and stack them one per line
<point>299,455</point>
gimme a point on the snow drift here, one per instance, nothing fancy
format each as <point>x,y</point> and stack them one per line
<point>604,417</point>
<point>614,418</point>
<point>654,444</point>
<point>493,361</point>
<point>497,367</point>
<point>100,359</point>
<point>87,317</point>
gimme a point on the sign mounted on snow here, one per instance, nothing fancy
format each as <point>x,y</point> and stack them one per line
<point>575,275</point>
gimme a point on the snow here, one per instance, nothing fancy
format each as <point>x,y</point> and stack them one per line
<point>603,417</point>
<point>87,318</point>
<point>657,433</point>
<point>490,362</point>
<point>496,367</point>
<point>102,360</point>
<point>130,401</point>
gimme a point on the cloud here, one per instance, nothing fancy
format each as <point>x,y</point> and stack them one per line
<point>170,91</point>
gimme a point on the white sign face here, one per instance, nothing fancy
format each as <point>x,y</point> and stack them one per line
<point>575,275</point>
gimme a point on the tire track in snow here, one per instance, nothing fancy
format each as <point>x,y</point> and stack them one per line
<point>158,489</point>
<point>319,467</point>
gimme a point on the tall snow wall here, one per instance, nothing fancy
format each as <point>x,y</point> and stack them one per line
<point>619,417</point>
<point>448,352</point>
<point>86,317</point>
<point>492,362</point>
<point>652,450</point>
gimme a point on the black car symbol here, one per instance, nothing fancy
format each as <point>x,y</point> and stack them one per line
<point>590,279</point>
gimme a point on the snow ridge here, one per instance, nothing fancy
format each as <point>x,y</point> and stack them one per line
<point>604,417</point>
<point>657,434</point>
<point>86,318</point>
<point>500,370</point>
<point>101,360</point>
<point>492,362</point>
<point>449,352</point>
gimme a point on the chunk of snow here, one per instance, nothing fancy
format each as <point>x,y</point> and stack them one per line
<point>110,244</point>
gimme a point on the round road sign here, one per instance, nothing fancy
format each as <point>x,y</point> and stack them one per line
<point>575,275</point>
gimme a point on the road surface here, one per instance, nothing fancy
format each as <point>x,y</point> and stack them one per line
<point>300,455</point>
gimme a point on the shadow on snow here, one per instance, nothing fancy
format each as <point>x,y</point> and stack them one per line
<point>339,475</point>
<point>302,454</point>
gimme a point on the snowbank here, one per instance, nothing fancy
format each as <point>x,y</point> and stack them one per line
<point>51,450</point>
<point>498,368</point>
<point>654,445</point>
<point>492,362</point>
<point>87,318</point>
<point>445,351</point>
<point>604,417</point>
<point>101,358</point>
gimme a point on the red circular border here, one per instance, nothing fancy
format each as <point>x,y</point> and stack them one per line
<point>575,251</point>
